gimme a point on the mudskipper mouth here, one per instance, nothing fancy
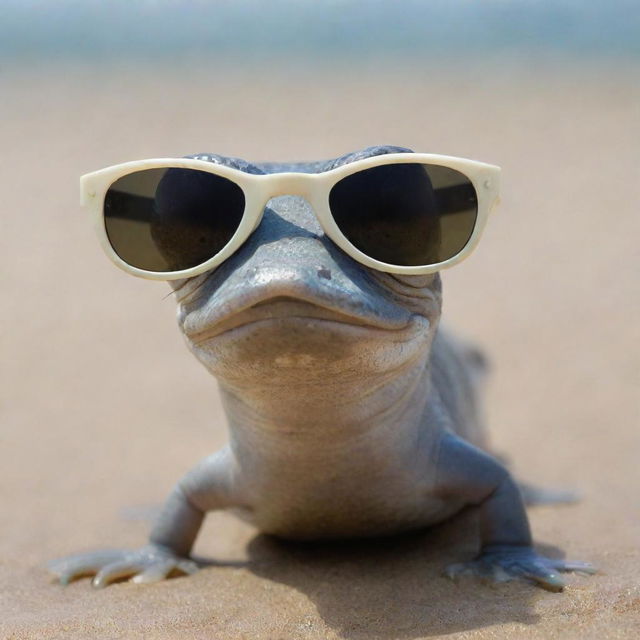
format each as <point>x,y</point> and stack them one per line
<point>291,313</point>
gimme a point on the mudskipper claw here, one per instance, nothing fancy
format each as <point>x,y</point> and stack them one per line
<point>149,564</point>
<point>505,563</point>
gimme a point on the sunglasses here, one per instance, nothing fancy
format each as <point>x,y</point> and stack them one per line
<point>404,213</point>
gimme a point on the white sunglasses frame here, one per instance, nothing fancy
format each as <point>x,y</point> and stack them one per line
<point>258,189</point>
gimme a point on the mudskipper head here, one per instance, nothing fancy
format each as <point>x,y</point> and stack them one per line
<point>290,307</point>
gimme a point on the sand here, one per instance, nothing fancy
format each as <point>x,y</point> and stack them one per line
<point>103,408</point>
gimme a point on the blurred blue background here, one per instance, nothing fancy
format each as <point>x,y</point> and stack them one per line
<point>373,31</point>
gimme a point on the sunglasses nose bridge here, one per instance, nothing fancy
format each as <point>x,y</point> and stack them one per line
<point>290,184</point>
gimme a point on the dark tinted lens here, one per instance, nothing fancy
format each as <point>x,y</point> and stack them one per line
<point>406,214</point>
<point>171,219</point>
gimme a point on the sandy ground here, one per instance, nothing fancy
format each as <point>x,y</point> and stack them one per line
<point>103,408</point>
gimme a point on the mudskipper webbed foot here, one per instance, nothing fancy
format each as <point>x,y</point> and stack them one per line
<point>505,563</point>
<point>149,564</point>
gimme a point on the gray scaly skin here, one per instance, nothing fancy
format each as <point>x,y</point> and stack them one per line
<point>350,413</point>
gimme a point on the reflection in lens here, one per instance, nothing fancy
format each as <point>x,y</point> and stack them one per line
<point>407,214</point>
<point>171,219</point>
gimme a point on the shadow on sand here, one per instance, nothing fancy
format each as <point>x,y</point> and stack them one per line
<point>394,587</point>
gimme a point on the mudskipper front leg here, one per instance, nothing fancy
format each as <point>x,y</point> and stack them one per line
<point>467,473</point>
<point>206,488</point>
